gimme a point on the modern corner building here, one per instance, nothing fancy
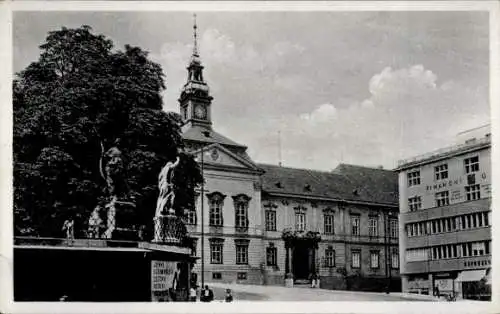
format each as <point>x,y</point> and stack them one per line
<point>262,222</point>
<point>445,221</point>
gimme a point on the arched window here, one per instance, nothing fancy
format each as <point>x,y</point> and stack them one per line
<point>216,203</point>
<point>241,202</point>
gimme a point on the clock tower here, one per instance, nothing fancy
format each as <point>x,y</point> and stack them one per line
<point>195,99</point>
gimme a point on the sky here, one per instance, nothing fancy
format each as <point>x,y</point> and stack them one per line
<point>365,88</point>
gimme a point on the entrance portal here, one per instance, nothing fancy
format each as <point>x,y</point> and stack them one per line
<point>300,262</point>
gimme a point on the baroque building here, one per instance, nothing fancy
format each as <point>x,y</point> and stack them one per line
<point>263,223</point>
<point>445,234</point>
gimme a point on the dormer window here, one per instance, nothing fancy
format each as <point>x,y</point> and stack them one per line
<point>307,188</point>
<point>278,185</point>
<point>355,192</point>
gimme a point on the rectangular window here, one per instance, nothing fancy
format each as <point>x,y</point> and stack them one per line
<point>414,203</point>
<point>471,164</point>
<point>393,228</point>
<point>442,198</point>
<point>478,248</point>
<point>329,226</point>
<point>215,212</point>
<point>441,172</point>
<point>356,259</point>
<point>374,259</point>
<point>486,218</point>
<point>473,192</point>
<point>464,223</point>
<point>329,257</point>
<point>355,225</point>
<point>300,221</point>
<point>373,226</point>
<point>395,259</point>
<point>469,221</point>
<point>191,217</point>
<point>216,253</point>
<point>434,227</point>
<point>241,254</point>
<point>241,214</point>
<point>455,253</point>
<point>487,247</point>
<point>242,276</point>
<point>414,178</point>
<point>271,256</point>
<point>216,276</point>
<point>270,220</point>
<point>480,219</point>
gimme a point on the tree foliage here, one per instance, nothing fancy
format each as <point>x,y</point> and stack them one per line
<point>77,99</point>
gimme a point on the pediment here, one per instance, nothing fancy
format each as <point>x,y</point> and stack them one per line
<point>219,156</point>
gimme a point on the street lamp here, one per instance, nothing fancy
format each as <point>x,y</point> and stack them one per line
<point>202,222</point>
<point>207,135</point>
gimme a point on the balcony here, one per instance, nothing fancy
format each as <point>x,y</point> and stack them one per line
<point>451,264</point>
<point>447,211</point>
<point>460,236</point>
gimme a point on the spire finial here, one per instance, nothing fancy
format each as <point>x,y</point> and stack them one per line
<point>195,47</point>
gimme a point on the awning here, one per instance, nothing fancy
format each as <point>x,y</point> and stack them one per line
<point>471,275</point>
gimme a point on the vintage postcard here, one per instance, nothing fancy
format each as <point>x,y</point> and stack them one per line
<point>296,157</point>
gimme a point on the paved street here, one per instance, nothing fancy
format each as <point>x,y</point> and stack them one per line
<point>277,293</point>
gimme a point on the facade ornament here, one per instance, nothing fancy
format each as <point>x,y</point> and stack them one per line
<point>102,220</point>
<point>166,198</point>
<point>257,185</point>
<point>168,228</point>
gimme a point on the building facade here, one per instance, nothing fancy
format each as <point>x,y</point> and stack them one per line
<point>445,221</point>
<point>263,223</point>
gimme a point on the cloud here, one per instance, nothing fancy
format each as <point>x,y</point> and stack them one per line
<point>251,70</point>
<point>400,119</point>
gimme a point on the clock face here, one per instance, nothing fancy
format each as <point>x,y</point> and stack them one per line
<point>200,112</point>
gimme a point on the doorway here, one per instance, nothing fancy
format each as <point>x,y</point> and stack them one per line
<point>300,262</point>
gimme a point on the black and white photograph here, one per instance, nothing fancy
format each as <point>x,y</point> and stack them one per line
<point>218,156</point>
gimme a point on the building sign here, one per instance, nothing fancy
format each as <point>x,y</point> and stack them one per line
<point>444,184</point>
<point>418,284</point>
<point>444,284</point>
<point>162,275</point>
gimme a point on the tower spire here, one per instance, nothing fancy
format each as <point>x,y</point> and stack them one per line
<point>195,35</point>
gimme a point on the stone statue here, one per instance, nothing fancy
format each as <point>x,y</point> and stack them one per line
<point>113,170</point>
<point>166,198</point>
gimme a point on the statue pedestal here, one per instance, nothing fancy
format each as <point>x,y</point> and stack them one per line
<point>169,229</point>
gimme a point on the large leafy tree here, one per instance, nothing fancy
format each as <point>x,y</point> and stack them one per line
<point>75,101</point>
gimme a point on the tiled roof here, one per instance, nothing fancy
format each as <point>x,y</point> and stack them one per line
<point>195,133</point>
<point>346,182</point>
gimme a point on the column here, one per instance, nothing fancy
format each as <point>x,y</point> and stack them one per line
<point>287,259</point>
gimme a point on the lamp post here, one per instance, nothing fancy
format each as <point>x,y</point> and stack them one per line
<point>207,135</point>
<point>202,222</point>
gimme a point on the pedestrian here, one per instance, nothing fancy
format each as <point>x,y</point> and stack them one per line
<point>314,280</point>
<point>205,294</point>
<point>229,296</point>
<point>437,292</point>
<point>211,295</point>
<point>69,227</point>
<point>192,294</point>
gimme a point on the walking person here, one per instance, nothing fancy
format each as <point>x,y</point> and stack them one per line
<point>229,296</point>
<point>192,294</point>
<point>314,280</point>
